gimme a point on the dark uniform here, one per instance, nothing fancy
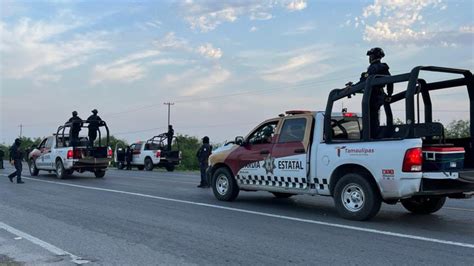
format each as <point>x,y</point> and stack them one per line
<point>169,136</point>
<point>94,123</point>
<point>378,96</point>
<point>129,157</point>
<point>2,153</point>
<point>16,157</point>
<point>76,124</point>
<point>203,155</point>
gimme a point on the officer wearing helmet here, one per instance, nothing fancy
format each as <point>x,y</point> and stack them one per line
<point>378,96</point>
<point>203,156</point>
<point>94,122</point>
<point>16,156</point>
<point>75,127</point>
<point>376,67</point>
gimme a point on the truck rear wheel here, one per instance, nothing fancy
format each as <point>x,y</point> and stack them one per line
<point>423,205</point>
<point>148,164</point>
<point>170,168</point>
<point>60,171</point>
<point>99,173</point>
<point>32,166</point>
<point>224,186</point>
<point>356,198</point>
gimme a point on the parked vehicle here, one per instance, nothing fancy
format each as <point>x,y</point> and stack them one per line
<point>55,153</point>
<point>339,155</point>
<point>148,155</point>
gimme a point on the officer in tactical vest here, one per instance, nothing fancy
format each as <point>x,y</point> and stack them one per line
<point>203,155</point>
<point>16,156</point>
<point>378,96</point>
<point>75,127</point>
<point>94,122</point>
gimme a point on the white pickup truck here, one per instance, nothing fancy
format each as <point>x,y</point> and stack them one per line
<point>147,155</point>
<point>56,154</point>
<point>340,155</point>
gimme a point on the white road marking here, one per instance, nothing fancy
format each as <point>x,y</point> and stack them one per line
<point>458,209</point>
<point>51,248</point>
<point>335,225</point>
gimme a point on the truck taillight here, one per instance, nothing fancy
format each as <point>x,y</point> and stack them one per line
<point>349,114</point>
<point>70,154</point>
<point>413,160</point>
<point>109,153</point>
<point>158,154</point>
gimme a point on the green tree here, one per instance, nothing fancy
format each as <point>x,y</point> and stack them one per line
<point>457,129</point>
<point>188,146</point>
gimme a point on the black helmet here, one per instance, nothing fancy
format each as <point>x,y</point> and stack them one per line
<point>377,52</point>
<point>74,113</point>
<point>94,111</point>
<point>17,141</point>
<point>205,139</point>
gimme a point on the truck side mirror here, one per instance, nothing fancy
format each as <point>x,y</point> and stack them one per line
<point>239,140</point>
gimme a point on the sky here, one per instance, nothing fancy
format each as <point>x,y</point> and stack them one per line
<point>226,65</point>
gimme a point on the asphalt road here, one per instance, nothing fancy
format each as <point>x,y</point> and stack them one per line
<point>149,218</point>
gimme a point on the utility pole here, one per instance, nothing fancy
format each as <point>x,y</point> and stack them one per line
<point>21,129</point>
<point>169,110</point>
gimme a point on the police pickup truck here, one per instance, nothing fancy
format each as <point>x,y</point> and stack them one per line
<point>341,155</point>
<point>56,153</point>
<point>148,155</point>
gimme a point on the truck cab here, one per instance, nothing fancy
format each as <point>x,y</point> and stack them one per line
<point>340,155</point>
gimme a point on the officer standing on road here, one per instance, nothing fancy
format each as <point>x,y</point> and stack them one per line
<point>2,153</point>
<point>169,136</point>
<point>129,157</point>
<point>203,155</point>
<point>94,123</point>
<point>76,124</point>
<point>16,157</point>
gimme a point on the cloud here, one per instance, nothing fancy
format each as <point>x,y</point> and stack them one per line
<point>403,22</point>
<point>171,41</point>
<point>197,80</point>
<point>253,29</point>
<point>206,16</point>
<point>135,66</point>
<point>125,69</point>
<point>32,49</point>
<point>209,51</point>
<point>296,5</point>
<point>310,26</point>
<point>299,65</point>
<point>171,61</point>
<point>122,72</point>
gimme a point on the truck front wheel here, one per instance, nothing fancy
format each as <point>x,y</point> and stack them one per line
<point>423,205</point>
<point>356,198</point>
<point>224,186</point>
<point>33,170</point>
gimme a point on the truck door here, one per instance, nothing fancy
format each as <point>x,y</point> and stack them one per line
<point>136,153</point>
<point>40,160</point>
<point>252,162</point>
<point>291,151</point>
<point>48,158</point>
